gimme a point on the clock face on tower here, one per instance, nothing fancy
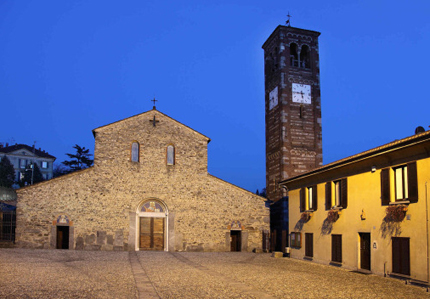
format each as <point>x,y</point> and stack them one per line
<point>301,93</point>
<point>273,98</point>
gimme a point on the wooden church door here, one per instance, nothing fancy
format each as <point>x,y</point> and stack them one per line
<point>236,240</point>
<point>62,237</point>
<point>151,233</point>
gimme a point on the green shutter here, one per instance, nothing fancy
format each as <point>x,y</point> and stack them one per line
<point>328,196</point>
<point>344,193</point>
<point>412,182</point>
<point>302,199</point>
<point>314,198</point>
<point>385,187</point>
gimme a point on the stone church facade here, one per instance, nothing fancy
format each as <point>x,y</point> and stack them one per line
<point>149,189</point>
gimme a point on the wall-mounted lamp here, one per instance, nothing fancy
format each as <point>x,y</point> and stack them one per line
<point>373,168</point>
<point>363,215</point>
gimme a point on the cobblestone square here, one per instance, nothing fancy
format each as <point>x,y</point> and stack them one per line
<point>85,274</point>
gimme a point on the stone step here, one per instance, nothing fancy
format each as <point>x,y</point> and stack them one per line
<point>7,244</point>
<point>277,254</point>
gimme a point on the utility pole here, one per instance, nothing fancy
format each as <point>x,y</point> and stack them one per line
<point>32,163</point>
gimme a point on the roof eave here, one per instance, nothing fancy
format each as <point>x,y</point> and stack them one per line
<point>407,142</point>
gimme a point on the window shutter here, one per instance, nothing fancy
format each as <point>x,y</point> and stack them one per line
<point>302,200</point>
<point>314,198</point>
<point>328,196</point>
<point>344,194</point>
<point>385,187</point>
<point>412,182</point>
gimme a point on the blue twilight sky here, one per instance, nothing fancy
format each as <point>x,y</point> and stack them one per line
<point>67,67</point>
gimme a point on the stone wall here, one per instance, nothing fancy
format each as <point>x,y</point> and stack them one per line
<point>102,202</point>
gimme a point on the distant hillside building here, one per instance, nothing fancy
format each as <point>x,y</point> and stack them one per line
<point>149,189</point>
<point>367,212</point>
<point>22,155</point>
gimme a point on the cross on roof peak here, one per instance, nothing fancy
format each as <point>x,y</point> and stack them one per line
<point>154,100</point>
<point>288,21</point>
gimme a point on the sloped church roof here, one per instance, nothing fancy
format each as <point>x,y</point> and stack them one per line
<point>148,112</point>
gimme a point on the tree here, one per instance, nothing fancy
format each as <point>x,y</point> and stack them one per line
<point>80,160</point>
<point>7,173</point>
<point>263,192</point>
<point>32,173</point>
<point>59,170</point>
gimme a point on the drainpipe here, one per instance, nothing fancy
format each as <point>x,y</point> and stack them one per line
<point>427,234</point>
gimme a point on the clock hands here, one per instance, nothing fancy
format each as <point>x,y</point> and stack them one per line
<point>300,92</point>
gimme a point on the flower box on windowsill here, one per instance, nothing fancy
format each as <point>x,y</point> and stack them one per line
<point>396,213</point>
<point>338,208</point>
<point>403,202</point>
<point>333,215</point>
<point>306,216</point>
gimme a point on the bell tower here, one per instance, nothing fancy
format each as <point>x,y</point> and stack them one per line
<point>292,105</point>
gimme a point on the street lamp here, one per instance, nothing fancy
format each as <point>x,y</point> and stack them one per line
<point>32,172</point>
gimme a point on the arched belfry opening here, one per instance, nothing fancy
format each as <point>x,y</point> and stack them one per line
<point>294,56</point>
<point>152,224</point>
<point>304,57</point>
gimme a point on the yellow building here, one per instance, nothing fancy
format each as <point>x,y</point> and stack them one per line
<point>366,212</point>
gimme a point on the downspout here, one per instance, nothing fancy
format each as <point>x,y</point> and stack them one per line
<point>427,235</point>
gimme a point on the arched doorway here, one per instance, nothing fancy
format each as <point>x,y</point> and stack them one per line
<point>152,225</point>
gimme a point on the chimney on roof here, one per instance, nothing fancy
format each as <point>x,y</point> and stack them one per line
<point>419,130</point>
<point>39,148</point>
<point>7,144</point>
<point>1,145</point>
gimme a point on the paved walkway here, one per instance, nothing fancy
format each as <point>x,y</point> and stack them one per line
<point>145,288</point>
<point>84,274</point>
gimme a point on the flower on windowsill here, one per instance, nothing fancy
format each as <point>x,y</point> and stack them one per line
<point>333,215</point>
<point>305,216</point>
<point>395,213</point>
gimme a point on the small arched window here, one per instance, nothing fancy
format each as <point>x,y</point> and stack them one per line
<point>135,151</point>
<point>170,155</point>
